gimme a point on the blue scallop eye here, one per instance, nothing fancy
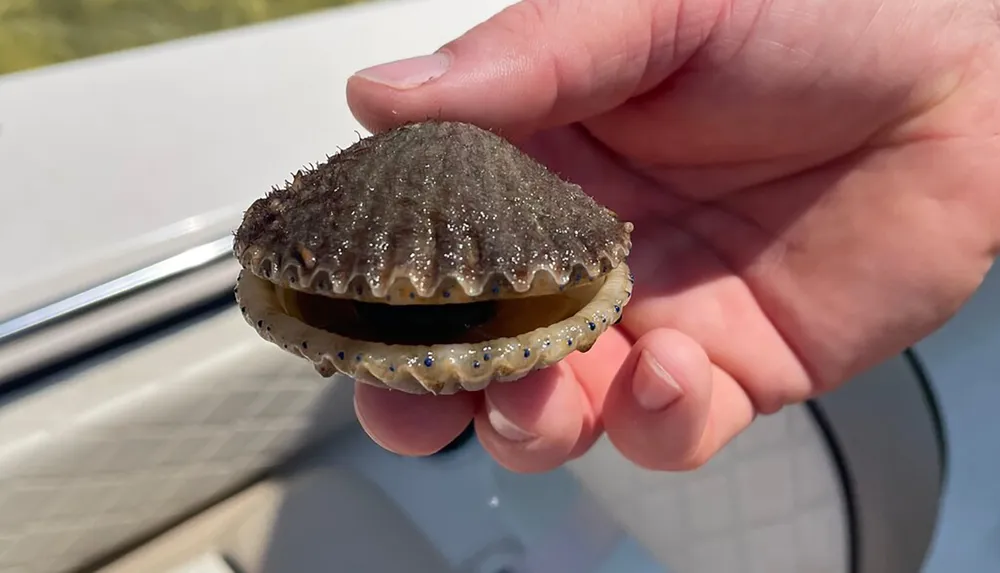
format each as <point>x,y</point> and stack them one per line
<point>392,369</point>
<point>340,355</point>
<point>428,362</point>
<point>527,353</point>
<point>569,342</point>
<point>475,364</point>
<point>486,356</point>
<point>591,325</point>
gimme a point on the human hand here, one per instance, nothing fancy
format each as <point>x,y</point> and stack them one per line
<point>814,187</point>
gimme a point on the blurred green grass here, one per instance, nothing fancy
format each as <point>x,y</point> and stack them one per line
<point>35,33</point>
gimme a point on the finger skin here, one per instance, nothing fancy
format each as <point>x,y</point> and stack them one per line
<point>560,406</point>
<point>409,424</point>
<point>541,63</point>
<point>712,409</point>
<point>594,371</point>
<point>548,406</point>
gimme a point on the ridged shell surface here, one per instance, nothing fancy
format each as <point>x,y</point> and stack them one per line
<point>435,203</point>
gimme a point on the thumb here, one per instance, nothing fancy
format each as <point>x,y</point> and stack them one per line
<point>536,64</point>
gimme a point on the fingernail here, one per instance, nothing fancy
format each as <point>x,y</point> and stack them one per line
<point>409,73</point>
<point>504,426</point>
<point>654,388</point>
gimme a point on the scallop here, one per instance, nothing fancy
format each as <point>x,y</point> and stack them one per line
<point>433,258</point>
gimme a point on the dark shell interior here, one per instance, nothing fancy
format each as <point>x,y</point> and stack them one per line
<point>428,325</point>
<point>437,203</point>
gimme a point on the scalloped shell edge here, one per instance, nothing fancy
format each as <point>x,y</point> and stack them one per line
<point>438,369</point>
<point>292,271</point>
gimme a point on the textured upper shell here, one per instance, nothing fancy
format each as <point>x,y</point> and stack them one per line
<point>430,206</point>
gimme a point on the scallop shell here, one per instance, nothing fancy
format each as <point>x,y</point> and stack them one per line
<point>435,213</point>
<point>428,212</point>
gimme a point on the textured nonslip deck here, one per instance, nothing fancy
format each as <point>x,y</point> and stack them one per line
<point>119,449</point>
<point>770,502</point>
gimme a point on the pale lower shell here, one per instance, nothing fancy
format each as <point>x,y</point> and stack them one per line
<point>438,369</point>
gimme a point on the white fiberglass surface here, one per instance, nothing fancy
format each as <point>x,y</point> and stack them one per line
<point>97,156</point>
<point>962,361</point>
<point>484,519</point>
<point>770,503</point>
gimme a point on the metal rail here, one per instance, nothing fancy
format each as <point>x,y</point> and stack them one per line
<point>177,265</point>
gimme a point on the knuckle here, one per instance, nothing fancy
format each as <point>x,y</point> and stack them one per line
<point>525,18</point>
